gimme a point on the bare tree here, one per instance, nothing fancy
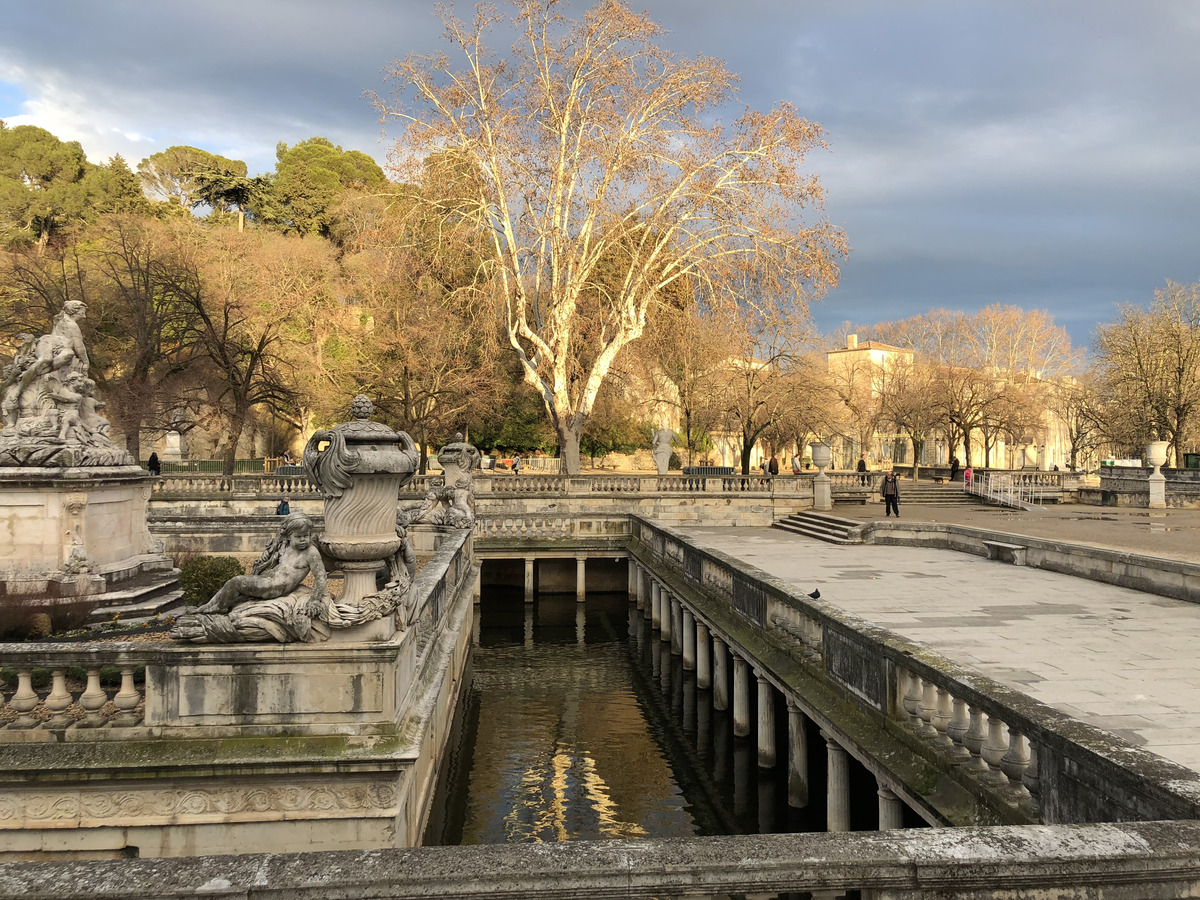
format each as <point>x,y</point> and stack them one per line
<point>592,137</point>
<point>1150,361</point>
<point>909,398</point>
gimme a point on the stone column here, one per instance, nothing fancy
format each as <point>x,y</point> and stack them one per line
<point>703,657</point>
<point>720,674</point>
<point>676,626</point>
<point>529,579</point>
<point>631,582</point>
<point>580,578</point>
<point>666,609</point>
<point>766,722</point>
<point>891,810</point>
<point>643,586</point>
<point>741,697</point>
<point>580,624</point>
<point>656,603</point>
<point>689,641</point>
<point>797,758</point>
<point>475,627</point>
<point>837,801</point>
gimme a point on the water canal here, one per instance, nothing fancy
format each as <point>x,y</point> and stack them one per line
<point>577,723</point>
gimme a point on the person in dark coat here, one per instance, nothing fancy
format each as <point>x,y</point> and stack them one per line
<point>953,467</point>
<point>891,494</point>
<point>153,465</point>
<point>284,508</point>
<point>862,470</point>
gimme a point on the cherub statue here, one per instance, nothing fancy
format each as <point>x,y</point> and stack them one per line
<point>281,569</point>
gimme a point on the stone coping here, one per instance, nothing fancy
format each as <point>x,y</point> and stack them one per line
<point>70,476</point>
<point>1127,860</point>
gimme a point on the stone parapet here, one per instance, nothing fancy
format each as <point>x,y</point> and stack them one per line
<point>1128,861</point>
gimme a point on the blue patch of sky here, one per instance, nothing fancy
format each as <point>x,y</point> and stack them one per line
<point>12,98</point>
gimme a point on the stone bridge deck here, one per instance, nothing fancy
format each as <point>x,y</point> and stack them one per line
<point>1119,659</point>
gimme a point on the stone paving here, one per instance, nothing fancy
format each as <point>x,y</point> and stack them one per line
<point>1119,659</point>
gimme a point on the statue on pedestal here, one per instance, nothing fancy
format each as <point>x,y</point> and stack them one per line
<point>48,404</point>
<point>662,449</point>
<point>453,501</point>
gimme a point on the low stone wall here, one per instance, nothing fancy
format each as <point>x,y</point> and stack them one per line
<point>1152,574</point>
<point>1130,861</point>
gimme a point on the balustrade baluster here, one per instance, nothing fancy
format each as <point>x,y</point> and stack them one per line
<point>127,699</point>
<point>912,701</point>
<point>960,724</point>
<point>1030,777</point>
<point>24,700</point>
<point>973,741</point>
<point>1013,765</point>
<point>93,700</point>
<point>927,708</point>
<point>993,750</point>
<point>941,720</point>
<point>58,701</point>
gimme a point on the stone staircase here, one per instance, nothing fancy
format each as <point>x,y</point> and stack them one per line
<point>822,526</point>
<point>139,599</point>
<point>929,492</point>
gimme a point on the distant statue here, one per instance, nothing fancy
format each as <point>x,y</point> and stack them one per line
<point>271,602</point>
<point>453,501</point>
<point>48,403</point>
<point>662,449</point>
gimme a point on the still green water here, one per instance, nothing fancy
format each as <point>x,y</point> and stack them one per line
<point>577,723</point>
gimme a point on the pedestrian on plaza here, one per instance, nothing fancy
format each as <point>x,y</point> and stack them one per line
<point>862,470</point>
<point>891,495</point>
<point>796,463</point>
<point>967,477</point>
<point>516,465</point>
<point>284,508</point>
<point>773,466</point>
<point>153,465</point>
<point>954,464</point>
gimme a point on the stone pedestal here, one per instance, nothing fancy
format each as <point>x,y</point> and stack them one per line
<point>74,531</point>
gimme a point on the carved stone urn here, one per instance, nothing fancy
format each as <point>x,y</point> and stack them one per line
<point>360,466</point>
<point>822,456</point>
<point>1156,455</point>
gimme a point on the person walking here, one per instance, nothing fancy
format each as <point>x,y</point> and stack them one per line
<point>862,470</point>
<point>516,464</point>
<point>153,465</point>
<point>891,495</point>
<point>284,508</point>
<point>954,464</point>
<point>773,466</point>
<point>967,477</point>
<point>796,463</point>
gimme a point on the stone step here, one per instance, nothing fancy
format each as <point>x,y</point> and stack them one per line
<point>137,613</point>
<point>822,526</point>
<point>146,596</point>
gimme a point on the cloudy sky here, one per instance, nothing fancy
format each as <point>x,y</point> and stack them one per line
<point>1044,153</point>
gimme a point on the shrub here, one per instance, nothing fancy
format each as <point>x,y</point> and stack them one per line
<point>202,576</point>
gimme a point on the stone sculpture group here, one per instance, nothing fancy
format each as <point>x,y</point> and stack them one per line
<point>48,403</point>
<point>359,467</point>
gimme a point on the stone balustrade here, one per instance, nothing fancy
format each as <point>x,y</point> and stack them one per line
<point>74,697</point>
<point>1034,762</point>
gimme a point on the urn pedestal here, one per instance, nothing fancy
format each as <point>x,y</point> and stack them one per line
<point>822,456</point>
<point>1156,455</point>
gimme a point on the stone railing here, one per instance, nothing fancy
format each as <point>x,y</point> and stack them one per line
<point>1127,860</point>
<point>52,688</point>
<point>542,528</point>
<point>1029,756</point>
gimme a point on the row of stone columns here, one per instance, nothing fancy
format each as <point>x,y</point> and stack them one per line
<point>710,657</point>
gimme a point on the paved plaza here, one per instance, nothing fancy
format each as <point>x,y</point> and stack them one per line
<point>1119,659</point>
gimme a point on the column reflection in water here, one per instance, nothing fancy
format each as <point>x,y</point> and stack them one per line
<point>583,726</point>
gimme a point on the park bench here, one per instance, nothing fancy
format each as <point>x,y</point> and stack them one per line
<point>1001,550</point>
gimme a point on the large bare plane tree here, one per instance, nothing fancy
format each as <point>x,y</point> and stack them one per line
<point>592,144</point>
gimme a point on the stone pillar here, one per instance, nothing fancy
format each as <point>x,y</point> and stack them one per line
<point>666,606</point>
<point>741,697</point>
<point>676,626</point>
<point>891,810</point>
<point>766,722</point>
<point>529,579</point>
<point>720,674</point>
<point>643,586</point>
<point>689,640</point>
<point>655,603</point>
<point>837,801</point>
<point>580,624</point>
<point>631,582</point>
<point>703,657</point>
<point>580,578</point>
<point>797,758</point>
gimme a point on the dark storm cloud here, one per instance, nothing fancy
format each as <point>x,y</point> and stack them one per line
<point>1037,153</point>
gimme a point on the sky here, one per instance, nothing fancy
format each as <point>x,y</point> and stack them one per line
<point>1041,153</point>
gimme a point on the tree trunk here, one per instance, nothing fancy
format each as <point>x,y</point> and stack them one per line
<point>917,447</point>
<point>747,449</point>
<point>568,448</point>
<point>237,424</point>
